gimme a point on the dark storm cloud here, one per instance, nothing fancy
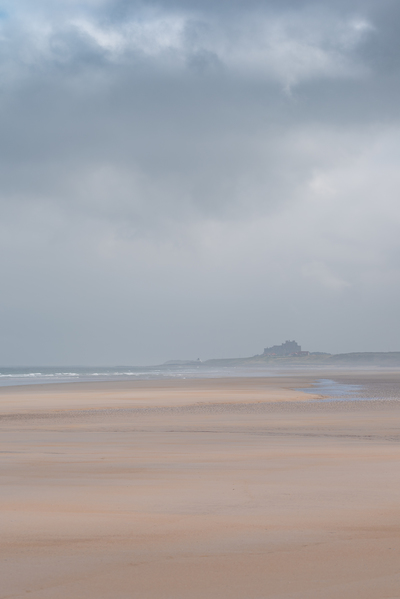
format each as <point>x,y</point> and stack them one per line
<point>163,94</point>
<point>176,171</point>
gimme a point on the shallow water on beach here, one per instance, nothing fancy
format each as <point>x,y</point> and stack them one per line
<point>338,391</point>
<point>335,391</point>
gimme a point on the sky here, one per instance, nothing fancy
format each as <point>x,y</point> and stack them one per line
<point>190,179</point>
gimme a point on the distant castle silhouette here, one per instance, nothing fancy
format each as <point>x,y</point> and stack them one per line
<point>289,348</point>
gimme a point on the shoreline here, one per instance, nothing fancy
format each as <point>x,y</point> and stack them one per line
<point>287,386</point>
<point>26,377</point>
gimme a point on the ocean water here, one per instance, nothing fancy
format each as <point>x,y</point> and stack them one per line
<point>67,374</point>
<point>30,375</point>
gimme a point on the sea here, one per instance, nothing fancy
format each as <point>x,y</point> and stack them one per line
<point>31,375</point>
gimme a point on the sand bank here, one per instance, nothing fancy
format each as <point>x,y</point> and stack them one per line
<point>151,393</point>
<point>220,488</point>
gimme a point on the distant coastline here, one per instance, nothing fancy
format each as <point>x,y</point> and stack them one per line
<point>314,359</point>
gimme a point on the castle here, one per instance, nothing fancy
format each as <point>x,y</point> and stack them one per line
<point>289,348</point>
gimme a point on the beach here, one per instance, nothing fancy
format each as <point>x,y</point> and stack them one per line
<point>192,488</point>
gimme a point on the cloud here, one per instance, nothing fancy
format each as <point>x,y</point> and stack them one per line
<point>183,179</point>
<point>288,48</point>
<point>324,276</point>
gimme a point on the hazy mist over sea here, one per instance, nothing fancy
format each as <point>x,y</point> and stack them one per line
<point>195,179</point>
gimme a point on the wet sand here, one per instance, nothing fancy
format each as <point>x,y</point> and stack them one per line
<point>187,489</point>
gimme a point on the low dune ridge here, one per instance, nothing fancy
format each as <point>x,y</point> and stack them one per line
<point>185,489</point>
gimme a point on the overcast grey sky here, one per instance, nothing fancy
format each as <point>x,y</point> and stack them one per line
<point>184,179</point>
